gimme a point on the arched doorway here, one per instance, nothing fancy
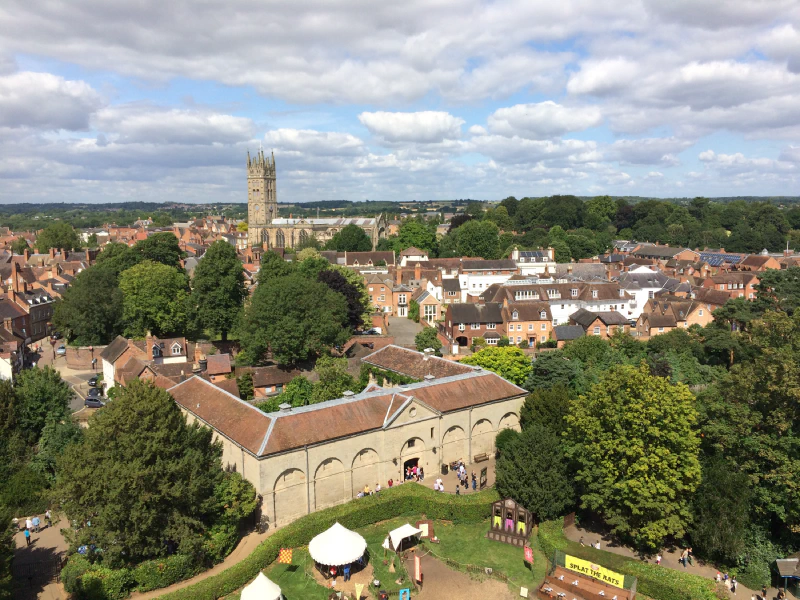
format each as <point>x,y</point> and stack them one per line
<point>365,470</point>
<point>289,498</point>
<point>462,341</point>
<point>454,445</point>
<point>329,484</point>
<point>413,454</point>
<point>482,438</point>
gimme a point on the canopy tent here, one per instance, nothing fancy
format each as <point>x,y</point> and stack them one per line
<point>262,589</point>
<point>337,546</point>
<point>397,536</point>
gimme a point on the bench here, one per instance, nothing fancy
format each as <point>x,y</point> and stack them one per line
<point>480,457</point>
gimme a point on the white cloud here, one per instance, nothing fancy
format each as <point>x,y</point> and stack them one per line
<point>648,151</point>
<point>46,101</point>
<point>542,120</point>
<point>134,123</point>
<point>423,127</point>
<point>314,143</point>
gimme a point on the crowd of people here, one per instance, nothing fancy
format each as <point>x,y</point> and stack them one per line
<point>34,525</point>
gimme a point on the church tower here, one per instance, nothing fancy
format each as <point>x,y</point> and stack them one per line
<point>262,198</point>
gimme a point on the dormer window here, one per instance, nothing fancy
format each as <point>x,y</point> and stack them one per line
<point>574,292</point>
<point>156,351</point>
<point>176,349</point>
<point>543,315</point>
<point>515,315</point>
<point>594,293</point>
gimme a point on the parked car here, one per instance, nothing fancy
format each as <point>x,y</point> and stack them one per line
<point>93,381</point>
<point>56,335</point>
<point>61,350</point>
<point>95,393</point>
<point>93,403</point>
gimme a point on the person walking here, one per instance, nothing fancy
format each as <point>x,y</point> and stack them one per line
<point>684,557</point>
<point>27,537</point>
<point>690,555</point>
<point>28,523</point>
<point>48,518</point>
<point>658,559</point>
<point>764,592</point>
<point>733,585</point>
<point>474,481</point>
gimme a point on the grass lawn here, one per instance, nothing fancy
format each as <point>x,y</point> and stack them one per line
<point>467,544</point>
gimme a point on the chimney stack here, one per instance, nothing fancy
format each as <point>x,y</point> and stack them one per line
<point>285,407</point>
<point>52,252</point>
<point>27,254</point>
<point>417,271</point>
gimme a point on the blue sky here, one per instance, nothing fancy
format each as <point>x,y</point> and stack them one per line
<point>159,101</point>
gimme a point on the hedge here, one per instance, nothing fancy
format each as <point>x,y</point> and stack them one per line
<point>406,499</point>
<point>657,582</point>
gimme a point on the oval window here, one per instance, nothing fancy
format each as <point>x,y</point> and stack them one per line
<point>412,412</point>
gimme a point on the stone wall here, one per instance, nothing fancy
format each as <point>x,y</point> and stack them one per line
<point>80,359</point>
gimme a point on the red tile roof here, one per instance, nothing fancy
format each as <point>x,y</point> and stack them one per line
<point>414,364</point>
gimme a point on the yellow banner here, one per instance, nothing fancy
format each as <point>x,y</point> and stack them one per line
<point>592,570</point>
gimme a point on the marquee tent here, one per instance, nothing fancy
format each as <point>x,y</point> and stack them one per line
<point>262,589</point>
<point>397,536</point>
<point>337,546</point>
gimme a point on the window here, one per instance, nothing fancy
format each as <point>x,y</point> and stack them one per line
<point>594,293</point>
<point>383,289</point>
<point>574,292</point>
<point>491,326</point>
<point>461,327</point>
<point>431,432</point>
<point>413,412</point>
<point>544,326</point>
<point>474,325</point>
<point>597,330</point>
<point>491,341</point>
<point>176,349</point>
<point>382,298</point>
<point>650,294</point>
<point>515,315</point>
<point>530,326</point>
<point>700,312</point>
<point>411,443</point>
<point>401,298</point>
<point>519,339</point>
<point>543,314</point>
<point>660,330</point>
<point>156,351</point>
<point>430,312</point>
<point>370,288</point>
<point>544,338</point>
<point>752,296</point>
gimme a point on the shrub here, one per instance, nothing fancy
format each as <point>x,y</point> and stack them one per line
<point>24,492</point>
<point>76,566</point>
<point>406,499</point>
<point>159,573</point>
<point>102,583</point>
<point>505,438</point>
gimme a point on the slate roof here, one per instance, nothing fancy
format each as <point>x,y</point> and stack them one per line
<point>414,364</point>
<point>653,251</point>
<point>564,333</point>
<point>476,313</point>
<point>585,318</point>
<point>488,265</point>
<point>527,311</point>
<point>451,285</point>
<point>114,350</point>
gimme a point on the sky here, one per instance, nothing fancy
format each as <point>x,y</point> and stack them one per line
<point>154,100</point>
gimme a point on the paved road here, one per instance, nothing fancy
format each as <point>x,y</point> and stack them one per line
<point>77,379</point>
<point>403,330</point>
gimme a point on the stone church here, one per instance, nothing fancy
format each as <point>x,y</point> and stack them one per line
<point>267,229</point>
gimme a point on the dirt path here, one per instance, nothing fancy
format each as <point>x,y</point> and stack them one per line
<point>440,581</point>
<point>243,549</point>
<point>670,559</point>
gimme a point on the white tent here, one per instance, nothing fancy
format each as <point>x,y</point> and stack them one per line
<point>262,589</point>
<point>337,546</point>
<point>398,535</point>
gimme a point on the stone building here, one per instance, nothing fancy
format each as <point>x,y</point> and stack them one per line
<point>303,459</point>
<point>267,229</point>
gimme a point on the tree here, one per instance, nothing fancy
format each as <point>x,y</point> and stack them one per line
<point>532,469</point>
<point>90,312</point>
<point>19,245</point>
<point>457,221</point>
<point>416,234</point>
<point>350,238</point>
<point>478,239</point>
<point>272,267</point>
<point>155,299</point>
<point>161,248</point>
<point>634,441</point>
<point>721,509</point>
<point>307,253</point>
<point>546,407</point>
<point>56,436</point>
<point>510,363</point>
<point>353,294</point>
<point>294,317</point>
<point>245,387</point>
<point>500,217</point>
<point>334,380</point>
<point>42,396</point>
<point>142,476</point>
<point>554,368</point>
<point>428,338</point>
<point>241,226</point>
<point>510,204</point>
<point>7,531</point>
<point>218,288</point>
<point>413,310</point>
<point>118,257</point>
<point>60,236</point>
<point>779,290</point>
<point>92,242</point>
<point>297,392</point>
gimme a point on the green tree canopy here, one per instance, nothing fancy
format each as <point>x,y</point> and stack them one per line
<point>19,245</point>
<point>118,257</point>
<point>294,317</point>
<point>272,267</point>
<point>510,363</point>
<point>419,235</point>
<point>353,292</point>
<point>634,441</point>
<point>7,531</point>
<point>533,471</point>
<point>90,312</point>
<point>218,288</point>
<point>428,338</point>
<point>477,239</point>
<point>334,380</point>
<point>142,476</point>
<point>161,248</point>
<point>350,238</point>
<point>155,299</point>
<point>297,392</point>
<point>59,236</point>
<point>42,396</point>
<point>546,407</point>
